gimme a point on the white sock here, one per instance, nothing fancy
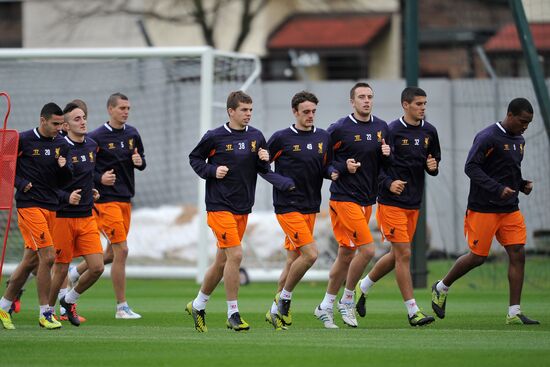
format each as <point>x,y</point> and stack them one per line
<point>441,287</point>
<point>62,293</point>
<point>73,274</point>
<point>5,304</point>
<point>286,294</point>
<point>347,297</point>
<point>119,306</point>
<point>328,301</point>
<point>412,308</point>
<point>232,308</point>
<point>365,284</point>
<point>274,307</point>
<point>513,310</point>
<point>43,309</point>
<point>72,296</point>
<point>199,303</point>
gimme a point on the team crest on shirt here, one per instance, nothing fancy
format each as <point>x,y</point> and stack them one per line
<point>57,152</point>
<point>320,148</point>
<point>506,147</point>
<point>426,142</point>
<point>36,152</point>
<point>111,146</point>
<point>253,146</point>
<point>131,143</point>
<point>379,136</point>
<point>404,141</point>
<point>521,148</point>
<point>296,148</point>
<point>91,155</point>
<point>357,138</point>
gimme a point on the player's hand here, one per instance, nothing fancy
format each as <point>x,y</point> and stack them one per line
<point>108,178</point>
<point>397,187</point>
<point>61,161</point>
<point>506,193</point>
<point>334,175</point>
<point>263,154</point>
<point>95,194</point>
<point>136,158</point>
<point>74,198</point>
<point>221,171</point>
<point>431,163</point>
<point>386,150</point>
<point>352,165</point>
<point>528,187</point>
<point>28,187</point>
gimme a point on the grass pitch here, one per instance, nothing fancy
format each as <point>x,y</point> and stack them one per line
<point>472,334</point>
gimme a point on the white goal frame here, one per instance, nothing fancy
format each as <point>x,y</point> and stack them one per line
<point>207,55</point>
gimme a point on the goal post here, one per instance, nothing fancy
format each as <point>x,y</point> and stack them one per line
<point>169,88</point>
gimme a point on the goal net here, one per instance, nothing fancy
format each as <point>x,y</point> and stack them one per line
<point>176,94</point>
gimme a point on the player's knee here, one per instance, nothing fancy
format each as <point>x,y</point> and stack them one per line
<point>403,256</point>
<point>121,253</point>
<point>367,251</point>
<point>477,260</point>
<point>107,258</point>
<point>516,253</point>
<point>235,255</point>
<point>46,258</point>
<point>96,270</point>
<point>310,257</point>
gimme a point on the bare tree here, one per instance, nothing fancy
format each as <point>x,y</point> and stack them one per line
<point>205,14</point>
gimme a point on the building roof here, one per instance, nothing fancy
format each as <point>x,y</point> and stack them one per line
<point>507,40</point>
<point>314,31</point>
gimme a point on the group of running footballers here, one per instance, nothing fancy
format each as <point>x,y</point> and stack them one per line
<point>72,185</point>
<point>368,162</point>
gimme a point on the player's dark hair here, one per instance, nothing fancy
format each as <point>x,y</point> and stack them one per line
<point>358,85</point>
<point>50,109</point>
<point>410,93</point>
<point>81,104</point>
<point>518,105</point>
<point>113,99</point>
<point>70,107</point>
<point>236,97</point>
<point>303,96</point>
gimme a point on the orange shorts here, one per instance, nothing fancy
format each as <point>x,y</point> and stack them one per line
<point>396,224</point>
<point>36,225</point>
<point>227,227</point>
<point>113,220</point>
<point>480,228</point>
<point>350,223</point>
<point>74,237</point>
<point>298,229</point>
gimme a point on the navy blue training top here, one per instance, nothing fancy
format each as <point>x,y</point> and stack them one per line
<point>83,158</point>
<point>37,164</point>
<point>411,146</point>
<point>238,151</point>
<point>362,141</point>
<point>115,149</point>
<point>494,162</point>
<point>302,160</point>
